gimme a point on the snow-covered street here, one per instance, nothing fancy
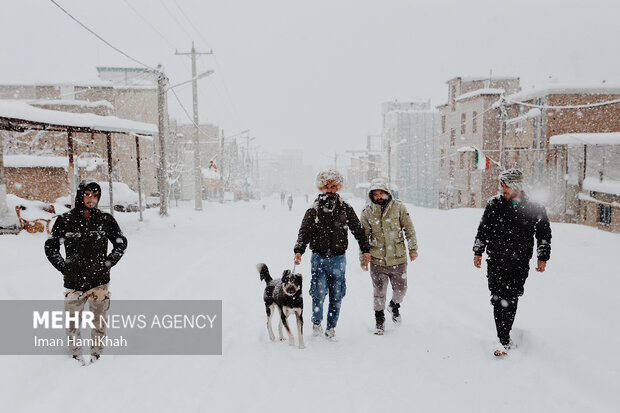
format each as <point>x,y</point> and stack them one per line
<point>439,360</point>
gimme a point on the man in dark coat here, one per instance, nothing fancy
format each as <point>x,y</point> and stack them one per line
<point>85,232</point>
<point>325,227</point>
<point>507,230</point>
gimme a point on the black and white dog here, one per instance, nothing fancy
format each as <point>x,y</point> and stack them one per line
<point>285,294</point>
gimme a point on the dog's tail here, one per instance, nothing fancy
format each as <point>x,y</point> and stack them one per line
<point>264,272</point>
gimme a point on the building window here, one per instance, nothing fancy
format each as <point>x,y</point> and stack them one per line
<point>462,160</point>
<point>460,195</point>
<point>443,124</point>
<point>604,214</point>
<point>452,137</point>
<point>452,97</point>
<point>463,124</point>
<point>443,155</point>
<point>474,122</point>
<point>451,169</point>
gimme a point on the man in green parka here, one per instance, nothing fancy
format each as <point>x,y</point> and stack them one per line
<point>387,224</point>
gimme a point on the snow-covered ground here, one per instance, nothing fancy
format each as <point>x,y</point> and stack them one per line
<point>439,360</point>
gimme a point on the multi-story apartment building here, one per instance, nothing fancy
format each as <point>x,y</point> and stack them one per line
<point>469,119</point>
<point>556,173</point>
<point>410,132</point>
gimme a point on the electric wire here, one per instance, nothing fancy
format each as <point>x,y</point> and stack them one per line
<point>101,38</point>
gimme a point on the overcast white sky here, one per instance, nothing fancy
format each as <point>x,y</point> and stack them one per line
<point>313,74</point>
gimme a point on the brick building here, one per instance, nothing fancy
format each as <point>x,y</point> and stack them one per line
<point>535,116</point>
<point>470,119</point>
<point>129,101</point>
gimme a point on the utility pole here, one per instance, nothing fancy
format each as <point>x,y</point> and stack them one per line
<point>222,167</point>
<point>162,179</point>
<point>197,166</point>
<point>504,119</point>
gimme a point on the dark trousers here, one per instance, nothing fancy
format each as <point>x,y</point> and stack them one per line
<point>506,286</point>
<point>504,312</point>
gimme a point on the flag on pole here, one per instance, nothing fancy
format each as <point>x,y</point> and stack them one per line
<point>212,165</point>
<point>482,161</point>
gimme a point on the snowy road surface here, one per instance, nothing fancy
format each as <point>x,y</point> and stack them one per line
<point>439,360</point>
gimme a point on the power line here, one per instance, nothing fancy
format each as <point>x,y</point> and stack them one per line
<point>175,19</point>
<point>217,65</point>
<point>149,24</point>
<point>101,38</point>
<point>589,105</point>
<point>187,113</point>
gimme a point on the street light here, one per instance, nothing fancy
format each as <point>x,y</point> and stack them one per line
<point>200,76</point>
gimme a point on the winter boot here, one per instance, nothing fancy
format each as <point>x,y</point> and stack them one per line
<point>80,359</point>
<point>395,310</point>
<point>317,330</point>
<point>380,319</point>
<point>503,348</point>
<point>330,333</point>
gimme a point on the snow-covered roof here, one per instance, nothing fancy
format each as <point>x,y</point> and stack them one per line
<point>580,139</point>
<point>566,89</point>
<point>479,78</point>
<point>84,83</point>
<point>607,186</point>
<point>532,113</point>
<point>414,111</point>
<point>22,111</point>
<point>585,197</point>
<point>34,161</point>
<point>466,149</point>
<point>63,102</point>
<point>479,92</point>
<point>47,161</point>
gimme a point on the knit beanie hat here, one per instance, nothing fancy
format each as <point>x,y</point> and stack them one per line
<point>512,178</point>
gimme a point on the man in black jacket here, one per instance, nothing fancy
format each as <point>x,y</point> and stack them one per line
<point>85,232</point>
<point>507,230</point>
<point>325,227</point>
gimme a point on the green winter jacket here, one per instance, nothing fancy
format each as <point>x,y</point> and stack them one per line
<point>387,230</point>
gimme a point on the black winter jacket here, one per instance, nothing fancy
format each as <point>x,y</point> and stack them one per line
<point>507,232</point>
<point>325,227</point>
<point>87,263</point>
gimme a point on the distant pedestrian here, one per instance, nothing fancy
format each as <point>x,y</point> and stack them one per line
<point>325,227</point>
<point>387,224</point>
<point>289,201</point>
<point>282,197</point>
<point>85,232</point>
<point>506,232</point>
<point>306,198</point>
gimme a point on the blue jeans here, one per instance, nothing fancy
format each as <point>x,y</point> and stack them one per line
<point>327,276</point>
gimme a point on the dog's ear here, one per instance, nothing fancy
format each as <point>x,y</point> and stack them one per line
<point>286,272</point>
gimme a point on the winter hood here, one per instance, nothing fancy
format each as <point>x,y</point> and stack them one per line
<point>90,184</point>
<point>379,184</point>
